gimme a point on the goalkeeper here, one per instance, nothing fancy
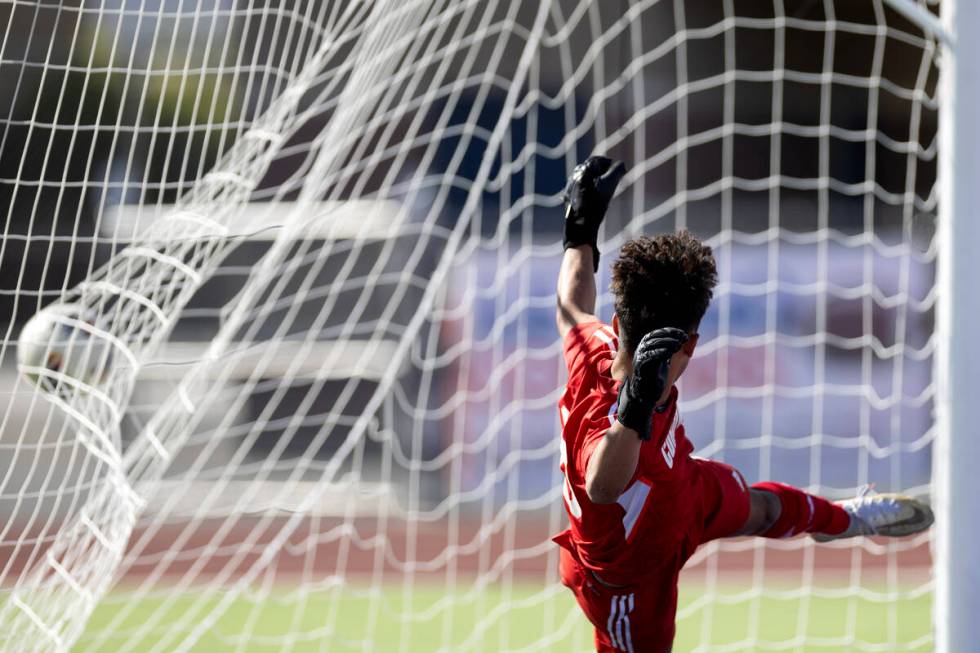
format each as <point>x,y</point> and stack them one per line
<point>639,502</point>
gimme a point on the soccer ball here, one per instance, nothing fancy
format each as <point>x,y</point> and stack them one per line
<point>56,353</point>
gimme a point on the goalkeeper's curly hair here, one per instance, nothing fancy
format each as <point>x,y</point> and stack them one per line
<point>664,281</point>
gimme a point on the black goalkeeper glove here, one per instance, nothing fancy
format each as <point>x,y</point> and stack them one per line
<point>587,196</point>
<point>639,393</point>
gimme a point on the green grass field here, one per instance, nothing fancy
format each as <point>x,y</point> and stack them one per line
<point>495,620</point>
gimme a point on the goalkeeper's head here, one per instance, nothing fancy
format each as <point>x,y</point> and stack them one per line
<point>664,281</point>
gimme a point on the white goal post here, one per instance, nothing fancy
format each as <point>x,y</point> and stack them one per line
<point>315,246</point>
<point>957,602</point>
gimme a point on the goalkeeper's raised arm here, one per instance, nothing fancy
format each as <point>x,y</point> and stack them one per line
<point>587,197</point>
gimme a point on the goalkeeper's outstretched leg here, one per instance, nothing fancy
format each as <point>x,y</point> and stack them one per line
<point>778,510</point>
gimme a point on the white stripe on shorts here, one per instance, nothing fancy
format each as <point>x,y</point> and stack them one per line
<point>618,624</point>
<point>626,626</point>
<point>613,609</point>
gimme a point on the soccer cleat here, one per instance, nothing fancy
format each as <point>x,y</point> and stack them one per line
<point>889,515</point>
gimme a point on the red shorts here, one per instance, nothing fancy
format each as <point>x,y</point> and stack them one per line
<point>640,617</point>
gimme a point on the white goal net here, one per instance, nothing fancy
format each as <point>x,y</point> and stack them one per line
<point>308,252</point>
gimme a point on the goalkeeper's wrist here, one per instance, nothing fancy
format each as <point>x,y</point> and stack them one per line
<point>572,241</point>
<point>634,413</point>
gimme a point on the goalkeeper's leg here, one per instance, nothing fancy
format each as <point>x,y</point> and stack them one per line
<point>731,508</point>
<point>778,510</point>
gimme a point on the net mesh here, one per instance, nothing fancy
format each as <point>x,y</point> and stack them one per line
<point>316,244</point>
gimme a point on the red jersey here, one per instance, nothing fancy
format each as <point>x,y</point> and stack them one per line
<point>647,526</point>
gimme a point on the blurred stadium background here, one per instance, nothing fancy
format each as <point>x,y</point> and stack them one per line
<point>115,109</point>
